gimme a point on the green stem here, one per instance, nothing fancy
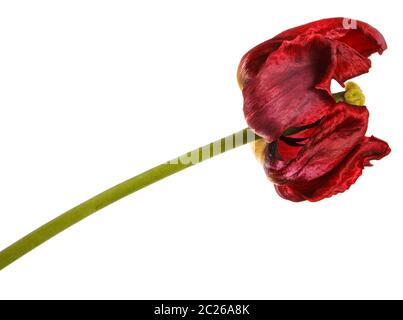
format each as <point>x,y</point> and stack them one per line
<point>339,96</point>
<point>83,210</point>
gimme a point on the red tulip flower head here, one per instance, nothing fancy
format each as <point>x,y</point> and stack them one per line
<point>314,146</point>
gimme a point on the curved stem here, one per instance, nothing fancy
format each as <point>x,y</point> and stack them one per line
<point>339,96</point>
<point>83,210</point>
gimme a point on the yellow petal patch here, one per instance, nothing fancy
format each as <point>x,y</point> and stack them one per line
<point>259,148</point>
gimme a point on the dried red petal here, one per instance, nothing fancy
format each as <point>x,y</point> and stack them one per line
<point>356,34</point>
<point>332,159</point>
<point>341,177</point>
<point>293,86</point>
<point>286,80</point>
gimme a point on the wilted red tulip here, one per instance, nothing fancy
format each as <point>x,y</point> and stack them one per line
<point>314,146</point>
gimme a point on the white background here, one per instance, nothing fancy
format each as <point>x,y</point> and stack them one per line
<point>93,92</point>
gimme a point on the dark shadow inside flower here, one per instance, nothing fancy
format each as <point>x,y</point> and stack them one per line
<point>291,142</point>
